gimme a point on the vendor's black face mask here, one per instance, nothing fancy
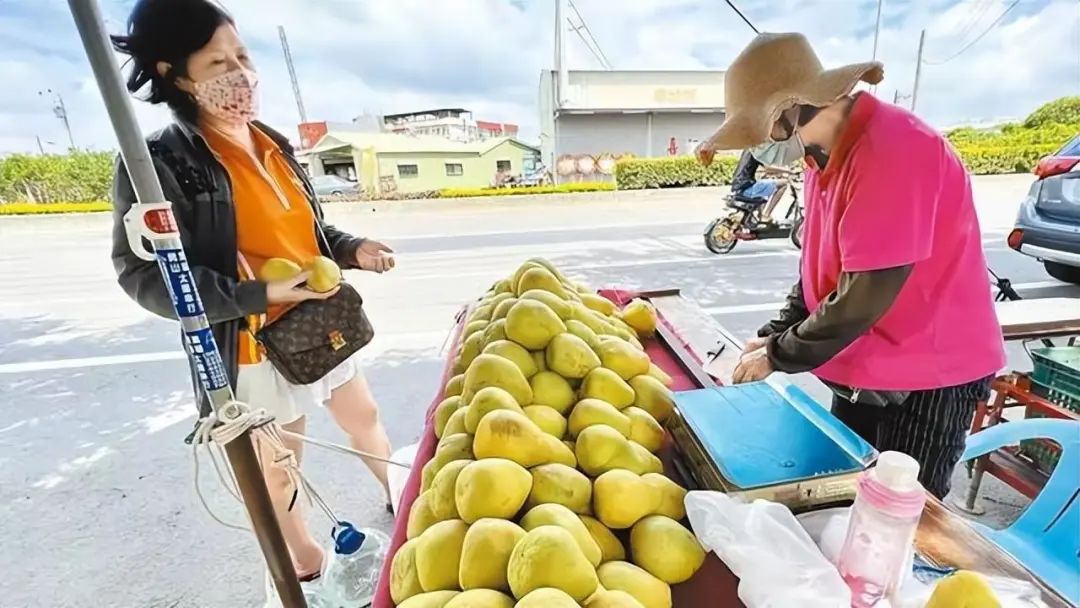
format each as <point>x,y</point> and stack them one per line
<point>806,114</point>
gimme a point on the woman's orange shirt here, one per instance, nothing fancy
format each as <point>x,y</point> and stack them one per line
<point>274,218</point>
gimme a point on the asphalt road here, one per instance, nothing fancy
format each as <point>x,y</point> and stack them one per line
<point>97,506</point>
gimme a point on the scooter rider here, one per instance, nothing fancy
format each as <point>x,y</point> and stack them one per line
<point>746,186</point>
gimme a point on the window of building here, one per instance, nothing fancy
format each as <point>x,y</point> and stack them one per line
<point>502,165</point>
<point>454,169</point>
<point>406,171</point>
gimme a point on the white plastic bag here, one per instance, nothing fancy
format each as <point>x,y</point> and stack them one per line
<point>776,561</point>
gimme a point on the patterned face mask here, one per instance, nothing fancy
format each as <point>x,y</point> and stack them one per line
<point>232,96</point>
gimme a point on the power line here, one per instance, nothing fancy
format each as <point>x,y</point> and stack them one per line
<point>740,14</point>
<point>599,56</point>
<point>979,10</point>
<point>599,51</point>
<point>977,38</point>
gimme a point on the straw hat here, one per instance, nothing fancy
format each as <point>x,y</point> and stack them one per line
<point>772,74</point>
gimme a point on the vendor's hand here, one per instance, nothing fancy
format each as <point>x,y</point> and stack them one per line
<point>753,366</point>
<point>374,256</point>
<point>292,291</point>
<point>755,343</point>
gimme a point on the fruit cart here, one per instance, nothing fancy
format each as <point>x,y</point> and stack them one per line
<point>694,352</point>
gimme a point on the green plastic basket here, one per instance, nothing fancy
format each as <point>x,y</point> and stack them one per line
<point>1057,375</point>
<point>1056,378</point>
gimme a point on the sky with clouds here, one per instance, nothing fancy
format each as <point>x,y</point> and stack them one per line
<point>389,56</point>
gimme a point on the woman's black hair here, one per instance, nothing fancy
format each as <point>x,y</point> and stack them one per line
<point>169,31</point>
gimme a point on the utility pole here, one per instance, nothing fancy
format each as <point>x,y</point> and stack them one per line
<point>918,70</point>
<point>40,147</point>
<point>292,74</point>
<point>152,219</point>
<point>877,34</point>
<point>561,69</point>
<point>60,111</point>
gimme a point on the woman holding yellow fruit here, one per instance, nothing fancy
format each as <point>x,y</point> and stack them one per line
<point>252,227</point>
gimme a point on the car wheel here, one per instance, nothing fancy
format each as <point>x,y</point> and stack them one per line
<point>336,193</point>
<point>1062,272</point>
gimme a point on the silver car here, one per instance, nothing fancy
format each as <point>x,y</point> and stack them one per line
<point>332,185</point>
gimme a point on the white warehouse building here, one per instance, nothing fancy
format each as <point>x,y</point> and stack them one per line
<point>616,112</point>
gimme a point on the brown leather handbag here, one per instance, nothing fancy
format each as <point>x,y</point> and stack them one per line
<point>316,336</point>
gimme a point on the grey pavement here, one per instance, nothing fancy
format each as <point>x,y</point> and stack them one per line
<point>97,504</point>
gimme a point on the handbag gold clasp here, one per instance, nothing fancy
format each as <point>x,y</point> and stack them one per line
<point>337,341</point>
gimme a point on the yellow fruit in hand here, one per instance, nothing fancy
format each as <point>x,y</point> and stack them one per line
<point>279,269</point>
<point>963,589</point>
<point>665,549</point>
<point>486,553</point>
<point>325,274</point>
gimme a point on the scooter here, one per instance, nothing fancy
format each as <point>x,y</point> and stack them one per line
<point>745,221</point>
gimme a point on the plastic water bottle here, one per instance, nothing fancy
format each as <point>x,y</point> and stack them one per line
<point>352,572</point>
<point>888,504</point>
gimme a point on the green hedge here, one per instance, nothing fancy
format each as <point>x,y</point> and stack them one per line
<point>992,160</point>
<point>560,189</point>
<point>78,176</point>
<point>673,172</point>
<point>54,208</point>
<point>1064,111</point>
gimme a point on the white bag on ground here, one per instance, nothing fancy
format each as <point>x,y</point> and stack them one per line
<point>777,562</point>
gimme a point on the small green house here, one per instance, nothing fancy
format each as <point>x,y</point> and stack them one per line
<point>390,161</point>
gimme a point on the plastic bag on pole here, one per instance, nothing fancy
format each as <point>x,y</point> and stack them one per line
<point>776,561</point>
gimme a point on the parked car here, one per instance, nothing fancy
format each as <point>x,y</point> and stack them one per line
<point>1048,225</point>
<point>332,185</point>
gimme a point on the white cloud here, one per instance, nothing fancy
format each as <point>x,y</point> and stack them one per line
<point>486,55</point>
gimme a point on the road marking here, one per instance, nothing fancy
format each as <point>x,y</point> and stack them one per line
<point>387,342</point>
<point>776,306</point>
<point>567,229</point>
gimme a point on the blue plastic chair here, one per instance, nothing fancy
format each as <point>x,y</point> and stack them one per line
<point>1046,537</point>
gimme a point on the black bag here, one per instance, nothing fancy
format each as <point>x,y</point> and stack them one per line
<point>314,337</point>
<point>868,397</point>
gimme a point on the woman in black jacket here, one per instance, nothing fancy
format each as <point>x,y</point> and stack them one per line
<point>240,198</point>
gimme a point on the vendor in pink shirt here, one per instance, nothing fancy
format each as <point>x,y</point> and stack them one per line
<point>893,308</point>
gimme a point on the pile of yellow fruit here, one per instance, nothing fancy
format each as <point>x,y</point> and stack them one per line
<point>547,441</point>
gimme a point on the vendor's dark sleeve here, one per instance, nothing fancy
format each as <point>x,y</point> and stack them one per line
<point>860,299</point>
<point>793,311</point>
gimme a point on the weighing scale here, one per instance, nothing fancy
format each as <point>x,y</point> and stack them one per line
<point>768,440</point>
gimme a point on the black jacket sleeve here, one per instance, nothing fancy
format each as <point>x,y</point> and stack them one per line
<point>745,172</point>
<point>860,300</point>
<point>794,311</point>
<point>223,297</point>
<point>342,245</point>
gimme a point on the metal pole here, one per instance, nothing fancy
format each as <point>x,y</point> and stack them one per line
<point>40,147</point>
<point>562,70</point>
<point>152,219</point>
<point>292,74</point>
<point>64,117</point>
<point>877,34</point>
<point>918,70</point>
